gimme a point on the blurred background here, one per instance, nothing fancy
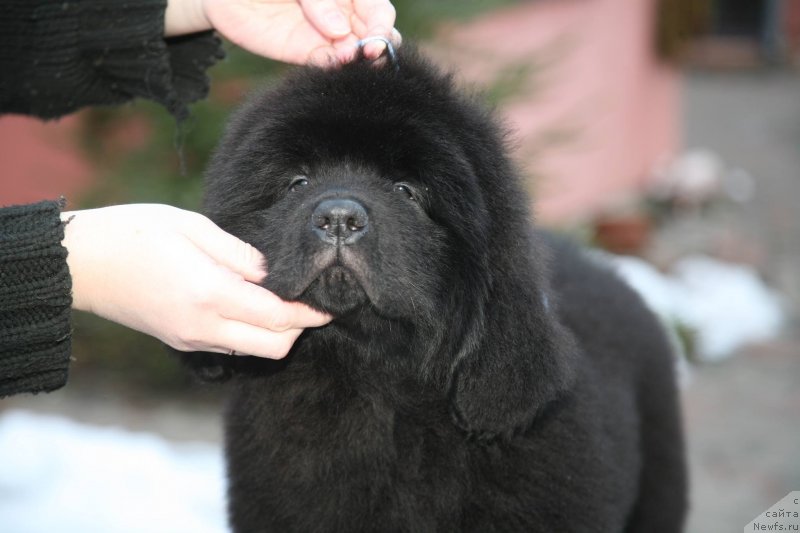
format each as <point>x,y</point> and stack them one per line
<point>665,133</point>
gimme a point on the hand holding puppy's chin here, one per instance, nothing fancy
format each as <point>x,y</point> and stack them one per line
<point>175,275</point>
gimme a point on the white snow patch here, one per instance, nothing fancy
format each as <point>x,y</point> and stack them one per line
<point>59,475</point>
<point>726,305</point>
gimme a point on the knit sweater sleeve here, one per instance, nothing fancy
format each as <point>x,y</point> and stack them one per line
<point>35,299</point>
<point>56,57</point>
<point>60,55</point>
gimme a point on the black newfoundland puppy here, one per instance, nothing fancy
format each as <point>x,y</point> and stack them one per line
<point>478,375</point>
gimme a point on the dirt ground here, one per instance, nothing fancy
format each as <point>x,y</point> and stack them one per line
<point>743,414</point>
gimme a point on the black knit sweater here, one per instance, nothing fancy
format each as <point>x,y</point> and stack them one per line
<point>56,57</point>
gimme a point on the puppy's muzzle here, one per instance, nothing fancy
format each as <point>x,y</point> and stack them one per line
<point>339,221</point>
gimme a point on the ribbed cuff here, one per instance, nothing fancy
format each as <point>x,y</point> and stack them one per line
<point>67,55</point>
<point>35,299</point>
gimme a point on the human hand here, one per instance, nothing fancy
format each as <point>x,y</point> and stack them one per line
<point>175,275</point>
<point>294,31</point>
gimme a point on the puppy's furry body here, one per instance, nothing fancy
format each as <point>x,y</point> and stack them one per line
<point>478,376</point>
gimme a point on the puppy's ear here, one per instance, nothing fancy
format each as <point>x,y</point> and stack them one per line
<point>207,367</point>
<point>523,362</point>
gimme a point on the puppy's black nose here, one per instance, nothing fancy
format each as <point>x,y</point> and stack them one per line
<point>339,221</point>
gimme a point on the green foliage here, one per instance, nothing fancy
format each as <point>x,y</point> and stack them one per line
<point>144,155</point>
<point>509,82</point>
<point>105,348</point>
<point>687,338</point>
<point>418,18</point>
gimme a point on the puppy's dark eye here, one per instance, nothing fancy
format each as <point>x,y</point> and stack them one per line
<point>298,183</point>
<point>402,188</point>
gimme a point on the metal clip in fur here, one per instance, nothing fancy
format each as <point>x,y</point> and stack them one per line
<point>389,51</point>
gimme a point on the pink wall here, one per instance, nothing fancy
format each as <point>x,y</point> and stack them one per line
<point>40,161</point>
<point>598,113</point>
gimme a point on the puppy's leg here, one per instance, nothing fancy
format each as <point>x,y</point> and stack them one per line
<point>662,502</point>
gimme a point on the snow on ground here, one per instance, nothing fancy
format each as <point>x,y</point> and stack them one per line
<point>59,475</point>
<point>726,306</point>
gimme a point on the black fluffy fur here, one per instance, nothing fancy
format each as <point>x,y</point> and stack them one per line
<point>478,375</point>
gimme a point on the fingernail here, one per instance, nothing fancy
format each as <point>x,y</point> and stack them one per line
<point>337,23</point>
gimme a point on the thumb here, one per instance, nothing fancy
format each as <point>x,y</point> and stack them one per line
<point>326,17</point>
<point>227,250</point>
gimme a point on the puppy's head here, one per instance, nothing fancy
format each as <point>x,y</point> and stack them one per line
<point>359,186</point>
<point>384,196</point>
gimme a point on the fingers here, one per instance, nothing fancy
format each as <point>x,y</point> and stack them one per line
<point>254,305</point>
<point>246,339</point>
<point>378,17</point>
<point>257,322</point>
<point>326,17</point>
<point>249,320</point>
<point>367,18</point>
<point>225,249</point>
